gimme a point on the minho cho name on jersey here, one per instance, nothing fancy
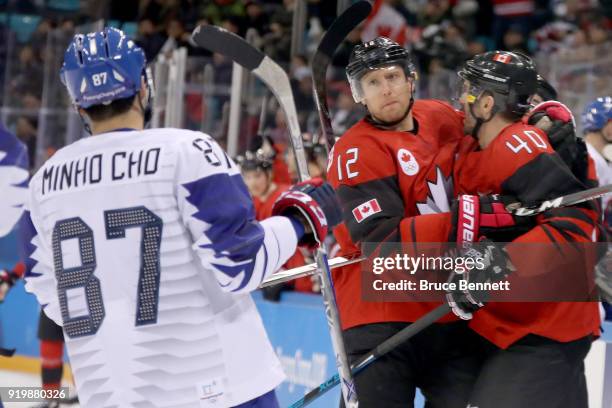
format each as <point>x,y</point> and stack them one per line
<point>93,169</point>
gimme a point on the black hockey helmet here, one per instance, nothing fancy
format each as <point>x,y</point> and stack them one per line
<point>377,53</point>
<point>253,161</point>
<point>510,77</point>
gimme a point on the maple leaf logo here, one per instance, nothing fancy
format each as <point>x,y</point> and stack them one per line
<point>438,199</point>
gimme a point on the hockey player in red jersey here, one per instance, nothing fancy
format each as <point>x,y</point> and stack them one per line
<point>535,351</point>
<point>393,173</point>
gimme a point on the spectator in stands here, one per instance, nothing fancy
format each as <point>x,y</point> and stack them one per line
<point>346,112</point>
<point>284,15</point>
<point>597,32</point>
<point>277,42</point>
<point>434,12</point>
<point>176,35</point>
<point>475,47</point>
<point>234,25</point>
<point>28,74</point>
<point>279,133</point>
<point>301,82</point>
<point>159,12</point>
<point>255,17</point>
<point>150,40</point>
<point>514,40</point>
<point>218,10</point>
<point>39,37</point>
<point>507,13</point>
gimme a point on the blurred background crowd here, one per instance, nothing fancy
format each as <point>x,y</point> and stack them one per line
<point>571,42</point>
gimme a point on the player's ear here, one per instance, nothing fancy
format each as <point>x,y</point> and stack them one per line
<point>487,102</point>
<point>143,92</point>
<point>83,113</point>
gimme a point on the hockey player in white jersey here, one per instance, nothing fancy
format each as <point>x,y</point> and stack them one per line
<point>597,128</point>
<point>147,247</point>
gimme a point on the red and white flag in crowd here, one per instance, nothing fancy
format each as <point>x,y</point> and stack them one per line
<point>385,21</point>
<point>363,211</point>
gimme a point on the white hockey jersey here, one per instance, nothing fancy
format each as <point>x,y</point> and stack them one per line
<point>603,168</point>
<point>146,249</point>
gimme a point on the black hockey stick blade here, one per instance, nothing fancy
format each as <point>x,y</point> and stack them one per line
<point>221,41</point>
<point>321,59</point>
<point>564,201</point>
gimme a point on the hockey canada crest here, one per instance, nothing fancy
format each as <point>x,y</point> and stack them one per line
<point>407,162</point>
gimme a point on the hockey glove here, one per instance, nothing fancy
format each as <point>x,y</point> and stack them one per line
<point>314,205</point>
<point>467,297</point>
<point>7,280</point>
<point>558,122</point>
<point>476,216</point>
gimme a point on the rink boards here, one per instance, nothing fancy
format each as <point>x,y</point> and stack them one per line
<point>297,328</point>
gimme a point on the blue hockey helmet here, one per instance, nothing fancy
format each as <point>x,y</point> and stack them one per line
<point>596,114</point>
<point>101,67</point>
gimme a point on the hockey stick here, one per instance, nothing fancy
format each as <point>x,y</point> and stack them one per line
<point>380,350</point>
<point>564,201</point>
<point>337,32</point>
<point>307,270</point>
<point>515,208</point>
<point>221,41</point>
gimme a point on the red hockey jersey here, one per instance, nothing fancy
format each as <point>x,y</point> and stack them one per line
<point>392,184</point>
<point>521,162</point>
<point>384,179</point>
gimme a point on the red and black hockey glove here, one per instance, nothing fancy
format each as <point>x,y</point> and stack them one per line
<point>468,297</point>
<point>476,216</point>
<point>7,280</point>
<point>558,122</point>
<point>314,204</point>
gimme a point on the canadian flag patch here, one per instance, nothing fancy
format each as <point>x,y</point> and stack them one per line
<point>363,211</point>
<point>503,58</point>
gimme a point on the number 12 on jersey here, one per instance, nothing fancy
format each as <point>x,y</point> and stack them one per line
<point>116,222</point>
<point>353,154</point>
